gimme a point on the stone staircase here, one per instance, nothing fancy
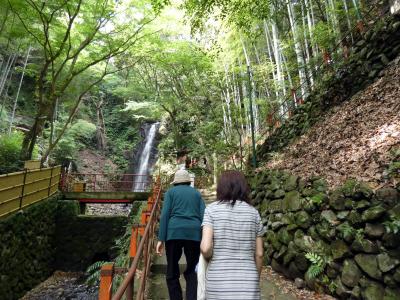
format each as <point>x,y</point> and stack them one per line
<point>157,289</point>
<point>208,195</point>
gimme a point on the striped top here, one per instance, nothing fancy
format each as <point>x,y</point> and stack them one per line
<point>232,272</point>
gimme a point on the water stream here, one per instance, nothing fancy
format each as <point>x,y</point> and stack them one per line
<point>143,166</point>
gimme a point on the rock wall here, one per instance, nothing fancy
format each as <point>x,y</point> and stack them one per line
<point>370,55</point>
<point>352,231</point>
<point>49,236</point>
<point>82,240</point>
<point>27,248</point>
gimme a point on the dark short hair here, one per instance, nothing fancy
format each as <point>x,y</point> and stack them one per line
<point>232,186</point>
<point>182,183</point>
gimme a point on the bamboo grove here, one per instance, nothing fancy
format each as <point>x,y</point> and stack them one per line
<point>197,65</point>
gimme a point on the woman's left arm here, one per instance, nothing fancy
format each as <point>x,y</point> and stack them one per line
<point>206,246</point>
<point>259,254</point>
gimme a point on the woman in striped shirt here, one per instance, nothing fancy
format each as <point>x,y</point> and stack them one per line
<point>232,242</point>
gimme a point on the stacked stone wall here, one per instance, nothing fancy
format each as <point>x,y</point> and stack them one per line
<point>352,229</point>
<point>27,248</point>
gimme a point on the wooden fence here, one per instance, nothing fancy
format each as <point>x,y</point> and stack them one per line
<point>20,189</point>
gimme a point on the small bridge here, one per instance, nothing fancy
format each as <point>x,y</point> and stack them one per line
<point>106,188</point>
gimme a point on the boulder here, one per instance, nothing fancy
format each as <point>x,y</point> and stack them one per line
<point>391,240</point>
<point>329,216</point>
<point>302,263</point>
<point>279,254</point>
<point>274,184</point>
<point>320,185</point>
<point>337,200</point>
<point>290,183</point>
<point>396,275</point>
<point>331,272</point>
<point>351,273</point>
<point>284,236</point>
<point>279,194</point>
<point>391,294</point>
<point>292,201</point>
<point>303,219</point>
<point>312,231</point>
<point>354,218</point>
<point>341,290</point>
<point>364,245</point>
<point>368,263</point>
<point>388,195</point>
<point>361,205</point>
<point>305,243</point>
<point>299,283</point>
<point>395,212</point>
<point>275,206</point>
<point>386,263</point>
<point>374,230</point>
<point>346,232</point>
<point>276,225</point>
<point>356,293</point>
<point>294,272</point>
<point>339,250</point>
<point>291,253</point>
<point>373,213</point>
<point>308,192</point>
<point>326,230</point>
<point>389,281</point>
<point>374,291</point>
<point>342,215</point>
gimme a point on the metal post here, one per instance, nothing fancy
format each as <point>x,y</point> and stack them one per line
<point>253,141</point>
<point>50,182</point>
<point>23,189</point>
<point>106,280</point>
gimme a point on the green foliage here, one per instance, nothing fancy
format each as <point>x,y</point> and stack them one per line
<point>347,230</point>
<point>93,273</point>
<point>10,147</point>
<point>393,170</point>
<point>317,266</point>
<point>392,226</point>
<point>318,199</point>
<point>80,135</point>
<point>359,234</point>
<point>324,35</point>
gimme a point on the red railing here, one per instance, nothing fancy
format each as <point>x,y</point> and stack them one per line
<point>141,245</point>
<point>111,182</point>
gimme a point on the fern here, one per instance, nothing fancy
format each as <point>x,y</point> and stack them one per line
<point>392,226</point>
<point>347,230</point>
<point>359,234</point>
<point>318,264</point>
<point>94,272</point>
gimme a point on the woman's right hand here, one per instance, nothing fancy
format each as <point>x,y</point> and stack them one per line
<point>160,248</point>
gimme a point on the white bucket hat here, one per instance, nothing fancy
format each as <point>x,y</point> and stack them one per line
<point>181,176</point>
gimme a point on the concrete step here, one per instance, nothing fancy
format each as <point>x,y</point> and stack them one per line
<point>269,290</point>
<point>159,265</point>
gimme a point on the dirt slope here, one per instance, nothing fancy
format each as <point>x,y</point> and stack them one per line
<point>354,139</point>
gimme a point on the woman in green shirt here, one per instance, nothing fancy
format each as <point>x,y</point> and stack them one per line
<point>180,229</point>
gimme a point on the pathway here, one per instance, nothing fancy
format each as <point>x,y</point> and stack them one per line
<point>273,286</point>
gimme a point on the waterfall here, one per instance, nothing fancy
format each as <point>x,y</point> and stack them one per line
<point>143,166</point>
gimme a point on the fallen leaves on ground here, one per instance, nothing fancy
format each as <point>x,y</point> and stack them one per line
<point>353,140</point>
<point>287,286</point>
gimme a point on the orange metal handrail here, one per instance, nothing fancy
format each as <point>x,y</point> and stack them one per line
<point>146,230</point>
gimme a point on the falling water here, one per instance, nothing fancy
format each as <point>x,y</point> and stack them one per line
<point>143,165</point>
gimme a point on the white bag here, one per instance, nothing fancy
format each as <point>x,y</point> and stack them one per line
<point>201,278</point>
